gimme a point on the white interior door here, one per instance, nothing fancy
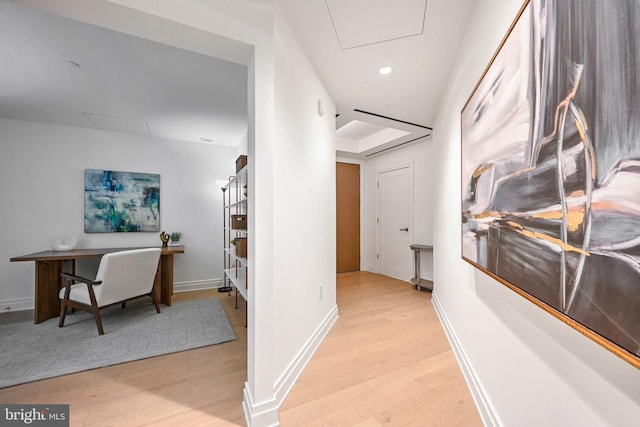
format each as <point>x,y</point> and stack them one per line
<point>394,222</point>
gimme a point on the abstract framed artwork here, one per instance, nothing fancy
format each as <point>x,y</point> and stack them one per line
<point>121,201</point>
<point>550,163</point>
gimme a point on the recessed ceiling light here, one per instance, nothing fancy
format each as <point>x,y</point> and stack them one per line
<point>206,140</point>
<point>385,70</point>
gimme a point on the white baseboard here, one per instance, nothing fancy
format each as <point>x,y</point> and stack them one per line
<point>285,383</point>
<point>368,267</point>
<point>486,411</point>
<point>266,413</point>
<point>20,304</point>
<point>196,285</point>
<point>16,304</point>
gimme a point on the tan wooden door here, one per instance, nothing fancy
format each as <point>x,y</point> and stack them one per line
<point>347,217</point>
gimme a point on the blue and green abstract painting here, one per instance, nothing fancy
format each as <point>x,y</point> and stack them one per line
<point>121,201</point>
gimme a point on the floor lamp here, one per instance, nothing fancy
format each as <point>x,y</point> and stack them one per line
<point>225,284</point>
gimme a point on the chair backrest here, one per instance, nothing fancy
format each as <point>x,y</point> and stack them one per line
<point>126,274</point>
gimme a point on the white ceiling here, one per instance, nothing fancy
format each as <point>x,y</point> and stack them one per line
<point>349,40</point>
<point>123,83</point>
<point>359,23</point>
<point>130,84</point>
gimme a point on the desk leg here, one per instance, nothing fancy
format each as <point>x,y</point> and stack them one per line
<point>166,279</point>
<point>48,284</point>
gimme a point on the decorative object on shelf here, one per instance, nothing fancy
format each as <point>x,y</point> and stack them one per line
<point>239,222</point>
<point>165,238</point>
<point>66,242</point>
<point>549,158</point>
<point>121,201</point>
<point>176,236</point>
<point>241,246</point>
<point>240,163</point>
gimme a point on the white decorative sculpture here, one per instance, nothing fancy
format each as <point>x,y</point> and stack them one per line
<point>65,242</point>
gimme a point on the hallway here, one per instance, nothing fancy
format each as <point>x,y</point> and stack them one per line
<point>386,362</point>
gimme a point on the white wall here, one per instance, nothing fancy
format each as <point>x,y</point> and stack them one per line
<point>526,367</point>
<point>42,187</point>
<point>304,208</point>
<point>196,25</point>
<point>420,154</point>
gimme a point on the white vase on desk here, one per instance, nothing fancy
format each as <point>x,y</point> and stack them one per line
<point>66,242</point>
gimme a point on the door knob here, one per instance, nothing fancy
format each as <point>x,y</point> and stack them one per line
<point>404,229</point>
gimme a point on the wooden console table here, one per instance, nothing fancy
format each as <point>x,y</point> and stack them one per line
<point>49,265</point>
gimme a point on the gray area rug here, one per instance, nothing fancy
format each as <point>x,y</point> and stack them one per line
<point>33,352</point>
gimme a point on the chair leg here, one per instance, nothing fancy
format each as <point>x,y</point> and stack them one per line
<point>155,301</point>
<point>124,304</point>
<point>98,319</point>
<point>95,309</point>
<point>63,312</point>
<point>63,306</point>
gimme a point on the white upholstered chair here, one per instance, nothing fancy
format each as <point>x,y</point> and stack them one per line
<point>122,276</point>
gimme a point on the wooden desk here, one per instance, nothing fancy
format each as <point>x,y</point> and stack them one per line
<point>49,265</point>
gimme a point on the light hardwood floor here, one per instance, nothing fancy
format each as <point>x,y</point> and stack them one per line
<point>200,387</point>
<point>385,362</point>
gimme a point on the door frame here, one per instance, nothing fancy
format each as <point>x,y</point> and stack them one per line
<point>378,209</point>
